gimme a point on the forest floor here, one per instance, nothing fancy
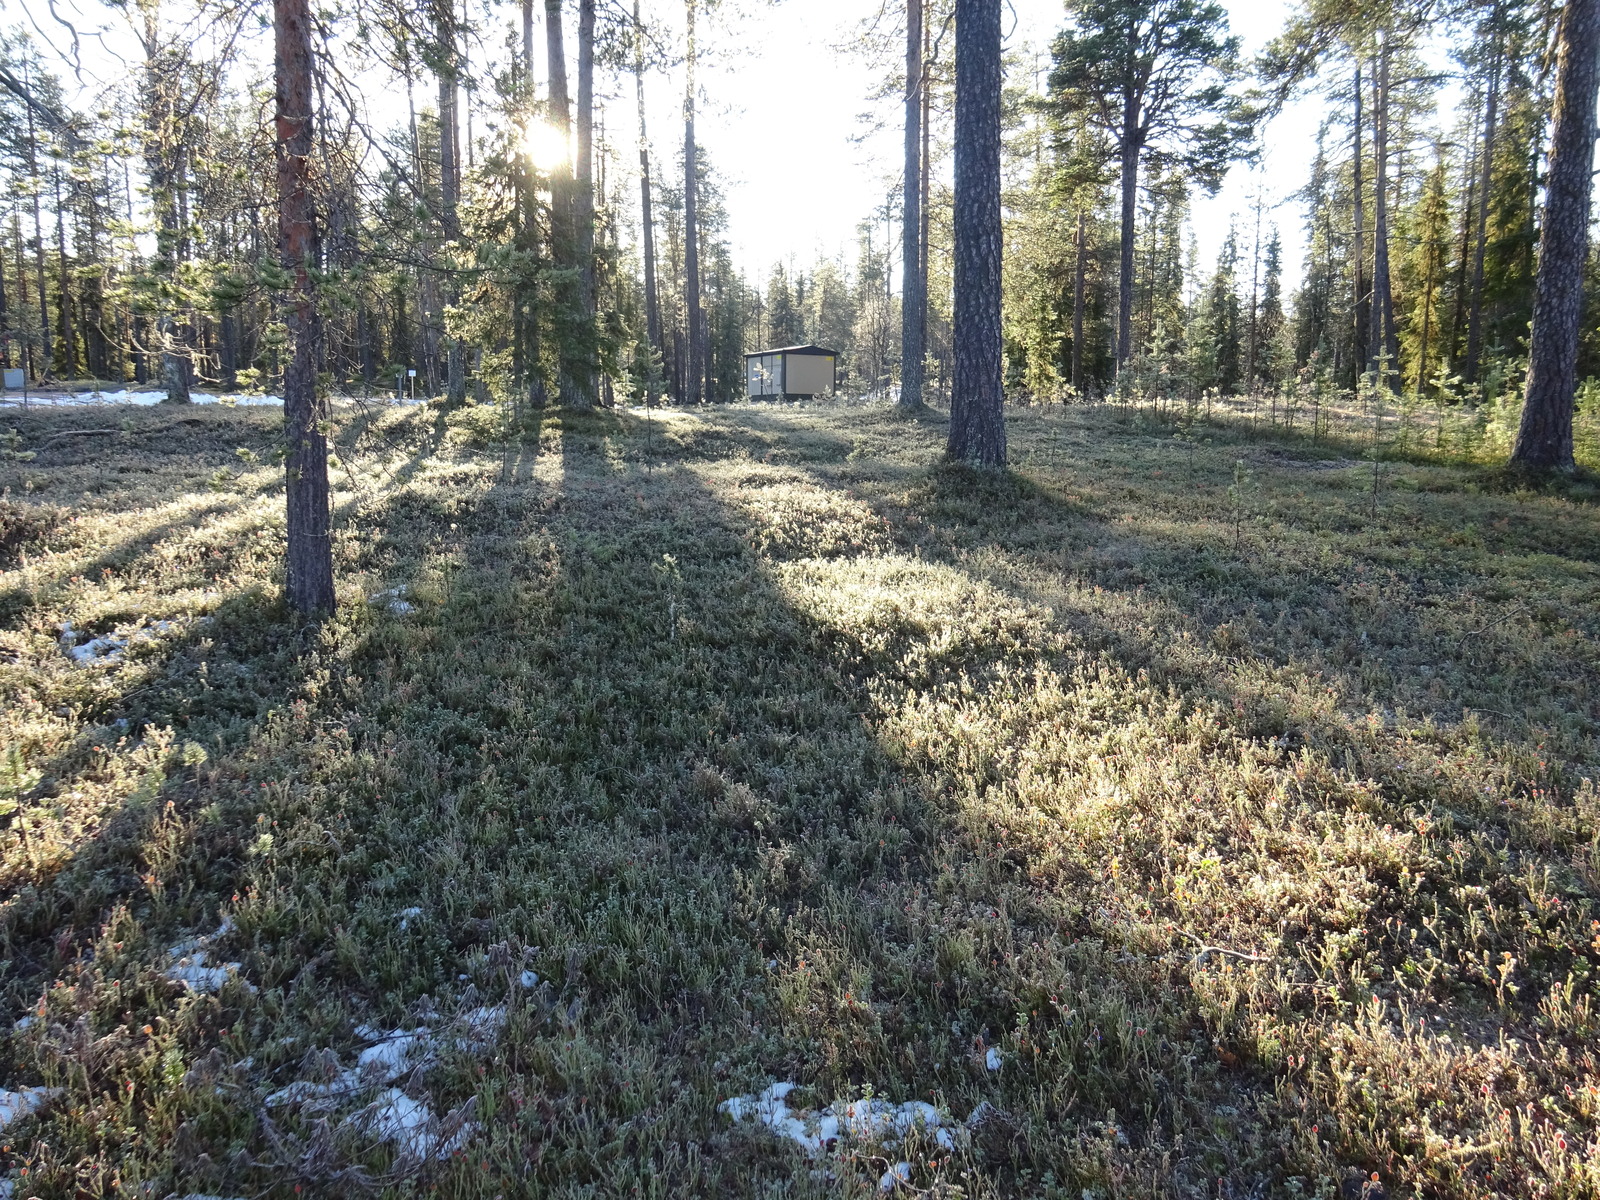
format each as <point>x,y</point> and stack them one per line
<point>1174,816</point>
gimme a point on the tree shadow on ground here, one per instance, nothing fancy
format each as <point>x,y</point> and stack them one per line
<point>705,793</point>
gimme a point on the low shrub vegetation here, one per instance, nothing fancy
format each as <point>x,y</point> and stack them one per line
<point>1176,815</point>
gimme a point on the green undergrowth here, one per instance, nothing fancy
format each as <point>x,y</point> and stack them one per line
<point>1244,808</point>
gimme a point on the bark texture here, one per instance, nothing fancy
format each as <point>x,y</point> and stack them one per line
<point>310,563</point>
<point>913,290</point>
<point>1358,238</point>
<point>450,188</point>
<point>1384,342</point>
<point>1544,440</point>
<point>586,374</point>
<point>1130,196</point>
<point>652,304</point>
<point>1486,167</point>
<point>1080,272</point>
<point>695,383</point>
<point>977,413</point>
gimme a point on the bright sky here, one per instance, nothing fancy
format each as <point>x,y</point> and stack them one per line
<point>797,90</point>
<point>785,90</point>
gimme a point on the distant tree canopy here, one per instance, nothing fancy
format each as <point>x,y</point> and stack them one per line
<point>137,236</point>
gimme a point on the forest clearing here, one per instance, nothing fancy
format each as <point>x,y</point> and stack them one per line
<point>1175,813</point>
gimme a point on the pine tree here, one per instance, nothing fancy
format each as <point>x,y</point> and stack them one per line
<point>1157,76</point>
<point>977,415</point>
<point>1544,439</point>
<point>310,551</point>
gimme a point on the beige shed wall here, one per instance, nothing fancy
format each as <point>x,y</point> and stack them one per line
<point>807,375</point>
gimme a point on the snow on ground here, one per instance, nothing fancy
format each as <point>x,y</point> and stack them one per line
<point>894,1177</point>
<point>140,399</point>
<point>110,647</point>
<point>392,1116</point>
<point>872,1121</point>
<point>189,962</point>
<point>23,1102</point>
<point>394,599</point>
<point>150,399</point>
<point>411,1126</point>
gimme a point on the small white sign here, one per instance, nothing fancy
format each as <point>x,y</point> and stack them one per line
<point>413,374</point>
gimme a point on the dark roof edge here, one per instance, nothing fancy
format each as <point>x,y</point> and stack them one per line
<point>818,350</point>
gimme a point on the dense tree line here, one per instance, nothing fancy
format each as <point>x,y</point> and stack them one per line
<point>510,241</point>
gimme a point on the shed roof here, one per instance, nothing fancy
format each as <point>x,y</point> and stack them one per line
<point>820,351</point>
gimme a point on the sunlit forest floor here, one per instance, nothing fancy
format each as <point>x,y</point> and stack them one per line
<point>1177,816</point>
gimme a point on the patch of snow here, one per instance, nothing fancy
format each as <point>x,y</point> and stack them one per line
<point>992,1059</point>
<point>392,1116</point>
<point>894,1177</point>
<point>529,979</point>
<point>140,399</point>
<point>392,1055</point>
<point>875,1122</point>
<point>411,1126</point>
<point>190,962</point>
<point>109,648</point>
<point>484,1024</point>
<point>394,599</point>
<point>396,1053</point>
<point>346,1083</point>
<point>23,1103</point>
<point>407,915</point>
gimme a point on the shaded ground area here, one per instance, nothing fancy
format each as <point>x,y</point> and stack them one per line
<point>1223,824</point>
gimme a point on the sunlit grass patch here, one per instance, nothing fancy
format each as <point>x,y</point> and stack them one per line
<point>1157,813</point>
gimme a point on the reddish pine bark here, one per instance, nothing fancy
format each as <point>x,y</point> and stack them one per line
<point>310,561</point>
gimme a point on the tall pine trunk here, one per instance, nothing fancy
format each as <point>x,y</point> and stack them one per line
<point>924,187</point>
<point>586,391</point>
<point>5,308</point>
<point>1459,305</point>
<point>1358,305</point>
<point>652,302</point>
<point>46,350</point>
<point>1480,248</point>
<point>310,563</point>
<point>1544,440</point>
<point>695,368</point>
<point>1255,307</point>
<point>1130,195</point>
<point>455,386</point>
<point>1080,273</point>
<point>1384,346</point>
<point>161,170</point>
<point>913,289</point>
<point>563,249</point>
<point>977,412</point>
<point>69,335</point>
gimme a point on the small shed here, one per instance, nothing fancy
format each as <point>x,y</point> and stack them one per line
<point>791,373</point>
